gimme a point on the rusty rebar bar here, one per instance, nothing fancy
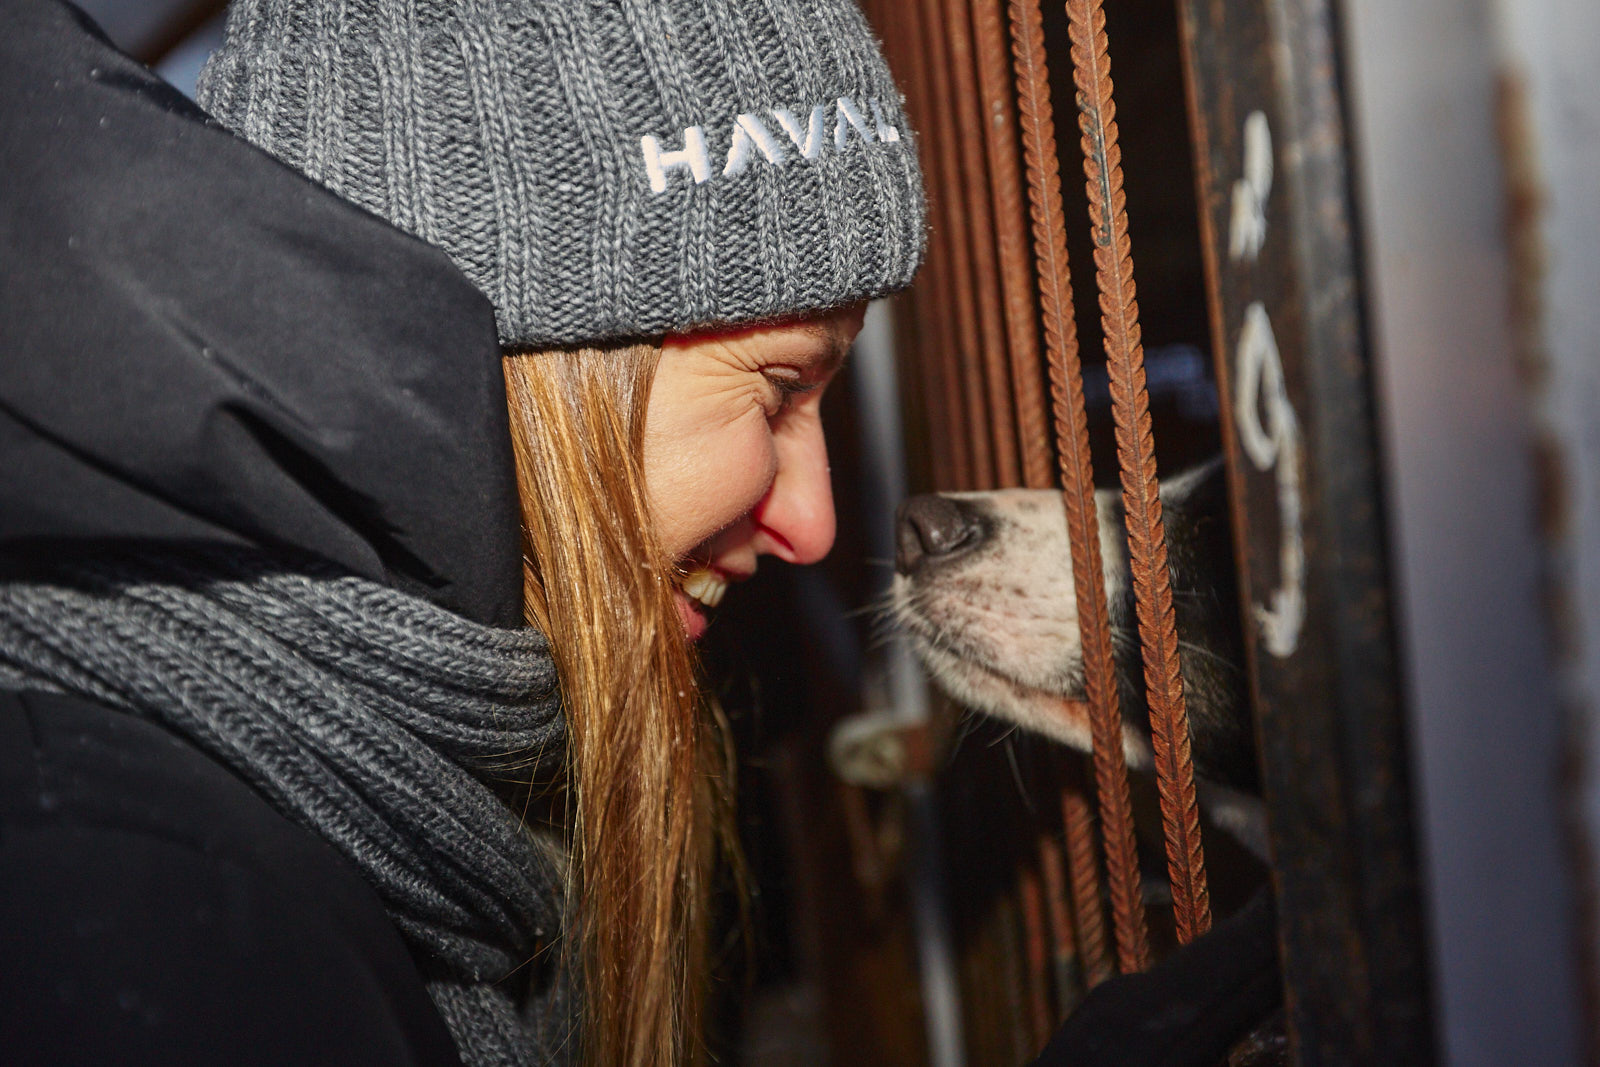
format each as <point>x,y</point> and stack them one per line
<point>935,362</point>
<point>1012,957</point>
<point>1147,544</point>
<point>1084,868</point>
<point>1008,194</point>
<point>1066,966</point>
<point>951,210</point>
<point>934,296</point>
<point>1036,944</point>
<point>1077,478</point>
<point>981,234</point>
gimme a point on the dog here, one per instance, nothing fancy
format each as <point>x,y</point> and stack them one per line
<point>984,589</point>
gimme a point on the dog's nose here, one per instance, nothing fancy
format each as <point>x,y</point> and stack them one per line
<point>931,527</point>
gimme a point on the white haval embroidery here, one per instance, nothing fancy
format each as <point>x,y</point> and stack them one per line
<point>749,135</point>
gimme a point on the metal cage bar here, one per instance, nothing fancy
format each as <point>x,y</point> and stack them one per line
<point>1065,963</point>
<point>1009,196</point>
<point>1083,866</point>
<point>1295,379</point>
<point>1077,478</point>
<point>1295,384</point>
<point>951,227</point>
<point>1147,540</point>
<point>981,235</point>
<point>943,384</point>
<point>1037,944</point>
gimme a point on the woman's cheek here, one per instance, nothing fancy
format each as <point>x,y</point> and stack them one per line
<point>747,468</point>
<point>714,484</point>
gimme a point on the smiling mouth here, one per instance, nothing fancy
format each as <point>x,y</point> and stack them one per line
<point>705,586</point>
<point>699,592</point>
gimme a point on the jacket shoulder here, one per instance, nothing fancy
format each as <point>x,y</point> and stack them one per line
<point>154,908</point>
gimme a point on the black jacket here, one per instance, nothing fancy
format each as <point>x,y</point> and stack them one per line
<point>198,345</point>
<point>154,910</point>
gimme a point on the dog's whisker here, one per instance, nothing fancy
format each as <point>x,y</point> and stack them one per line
<point>1200,650</point>
<point>965,725</point>
<point>1016,773</point>
<point>1011,729</point>
<point>878,642</point>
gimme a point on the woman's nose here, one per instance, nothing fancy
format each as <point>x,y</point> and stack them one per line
<point>798,510</point>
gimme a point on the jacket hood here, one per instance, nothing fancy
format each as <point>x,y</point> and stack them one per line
<point>201,345</point>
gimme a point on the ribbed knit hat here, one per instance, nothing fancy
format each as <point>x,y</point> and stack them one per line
<point>600,168</point>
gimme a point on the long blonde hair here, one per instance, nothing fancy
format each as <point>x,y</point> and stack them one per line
<point>645,767</point>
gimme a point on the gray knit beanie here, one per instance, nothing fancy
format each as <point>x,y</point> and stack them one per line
<point>600,168</point>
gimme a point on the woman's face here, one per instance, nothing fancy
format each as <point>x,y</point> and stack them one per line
<point>734,461</point>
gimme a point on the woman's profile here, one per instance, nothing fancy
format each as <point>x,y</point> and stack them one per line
<point>376,443</point>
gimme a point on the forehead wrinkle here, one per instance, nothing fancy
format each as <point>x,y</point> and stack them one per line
<point>822,350</point>
<point>830,344</point>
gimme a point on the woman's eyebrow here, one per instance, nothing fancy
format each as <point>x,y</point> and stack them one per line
<point>835,355</point>
<point>831,348</point>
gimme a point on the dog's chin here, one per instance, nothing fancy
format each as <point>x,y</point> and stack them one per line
<point>1059,716</point>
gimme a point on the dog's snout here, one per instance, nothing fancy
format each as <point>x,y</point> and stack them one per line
<point>931,527</point>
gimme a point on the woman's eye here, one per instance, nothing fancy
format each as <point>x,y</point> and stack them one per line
<point>786,388</point>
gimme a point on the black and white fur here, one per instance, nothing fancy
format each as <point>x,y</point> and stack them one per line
<point>984,589</point>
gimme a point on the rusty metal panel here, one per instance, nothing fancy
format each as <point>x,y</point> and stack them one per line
<point>1295,370</point>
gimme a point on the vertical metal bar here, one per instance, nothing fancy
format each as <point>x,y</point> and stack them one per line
<point>974,170</point>
<point>930,370</point>
<point>977,991</point>
<point>937,959</point>
<point>1084,866</point>
<point>935,298</point>
<point>1065,966</point>
<point>1147,544</point>
<point>1279,230</point>
<point>1010,957</point>
<point>1036,940</point>
<point>989,975</point>
<point>1011,241</point>
<point>1077,481</point>
<point>952,208</point>
<point>923,873</point>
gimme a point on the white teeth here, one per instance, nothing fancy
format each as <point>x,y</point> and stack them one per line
<point>706,587</point>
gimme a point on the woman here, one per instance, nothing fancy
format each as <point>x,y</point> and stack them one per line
<point>693,458</point>
<point>261,493</point>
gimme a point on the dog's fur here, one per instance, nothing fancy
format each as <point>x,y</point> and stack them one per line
<point>984,588</point>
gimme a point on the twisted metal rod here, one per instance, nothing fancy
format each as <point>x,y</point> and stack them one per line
<point>1008,196</point>
<point>981,232</point>
<point>952,211</point>
<point>1036,946</point>
<point>940,355</point>
<point>1064,942</point>
<point>1147,543</point>
<point>1077,481</point>
<point>1085,871</point>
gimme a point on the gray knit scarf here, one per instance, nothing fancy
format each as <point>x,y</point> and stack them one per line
<point>368,716</point>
